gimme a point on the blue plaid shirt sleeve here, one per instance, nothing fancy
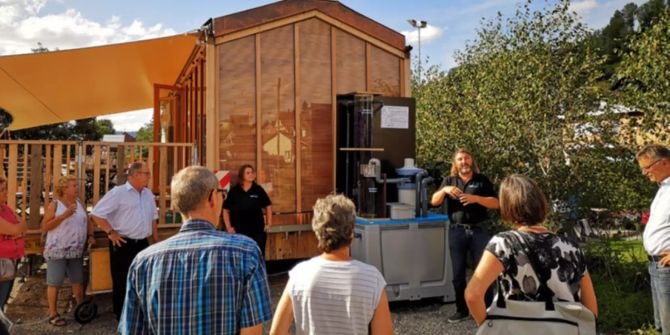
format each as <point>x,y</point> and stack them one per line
<point>256,304</point>
<point>132,319</point>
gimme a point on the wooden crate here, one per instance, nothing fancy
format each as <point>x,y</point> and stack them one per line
<point>100,277</point>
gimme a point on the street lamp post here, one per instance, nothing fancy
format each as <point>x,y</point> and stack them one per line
<point>418,24</point>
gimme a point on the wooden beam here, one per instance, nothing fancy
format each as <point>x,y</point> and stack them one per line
<point>46,188</point>
<point>333,108</point>
<point>368,67</point>
<point>96,173</point>
<point>406,77</point>
<point>162,181</point>
<point>12,175</point>
<point>36,178</point>
<point>211,133</point>
<point>259,143</point>
<point>297,110</point>
<point>306,16</point>
<point>24,181</point>
<point>157,113</point>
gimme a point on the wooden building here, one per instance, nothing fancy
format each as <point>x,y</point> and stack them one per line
<point>260,88</point>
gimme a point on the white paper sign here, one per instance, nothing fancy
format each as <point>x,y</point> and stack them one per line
<point>396,117</point>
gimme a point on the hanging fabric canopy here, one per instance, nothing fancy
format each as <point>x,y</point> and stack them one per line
<point>52,87</point>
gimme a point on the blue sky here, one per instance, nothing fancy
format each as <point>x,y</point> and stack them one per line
<point>65,24</point>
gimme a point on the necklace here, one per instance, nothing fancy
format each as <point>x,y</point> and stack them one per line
<point>538,228</point>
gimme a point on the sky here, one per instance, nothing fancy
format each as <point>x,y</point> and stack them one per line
<point>66,24</point>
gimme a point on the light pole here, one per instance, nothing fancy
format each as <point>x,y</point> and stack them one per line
<point>418,24</point>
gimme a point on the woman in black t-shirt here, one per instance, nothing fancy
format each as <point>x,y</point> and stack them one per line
<point>243,208</point>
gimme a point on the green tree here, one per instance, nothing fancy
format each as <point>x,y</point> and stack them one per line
<point>525,98</point>
<point>146,133</point>
<point>105,126</point>
<point>645,74</point>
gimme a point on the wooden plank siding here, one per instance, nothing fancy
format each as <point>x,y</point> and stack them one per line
<point>355,61</point>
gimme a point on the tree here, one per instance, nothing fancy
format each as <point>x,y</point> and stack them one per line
<point>645,74</point>
<point>146,133</point>
<point>105,127</point>
<point>525,99</point>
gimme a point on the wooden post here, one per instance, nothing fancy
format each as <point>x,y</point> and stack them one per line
<point>162,179</point>
<point>212,117</point>
<point>96,174</point>
<point>121,165</point>
<point>12,174</point>
<point>36,175</point>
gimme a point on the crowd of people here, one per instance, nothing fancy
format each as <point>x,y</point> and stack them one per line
<point>211,278</point>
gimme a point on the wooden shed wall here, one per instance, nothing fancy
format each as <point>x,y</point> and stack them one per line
<point>276,108</point>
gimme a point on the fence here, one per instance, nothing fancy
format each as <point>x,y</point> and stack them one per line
<point>33,168</point>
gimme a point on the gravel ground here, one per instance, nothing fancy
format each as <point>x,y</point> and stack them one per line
<point>28,309</point>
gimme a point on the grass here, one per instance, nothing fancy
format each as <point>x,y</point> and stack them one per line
<point>621,281</point>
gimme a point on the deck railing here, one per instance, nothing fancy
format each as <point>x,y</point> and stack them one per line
<point>33,168</point>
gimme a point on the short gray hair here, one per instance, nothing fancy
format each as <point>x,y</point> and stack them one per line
<point>654,151</point>
<point>333,222</point>
<point>135,167</point>
<point>190,187</point>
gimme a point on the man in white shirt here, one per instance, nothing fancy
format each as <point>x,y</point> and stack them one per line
<point>654,160</point>
<point>128,215</point>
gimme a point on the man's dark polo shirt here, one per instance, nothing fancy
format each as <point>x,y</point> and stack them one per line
<point>473,213</point>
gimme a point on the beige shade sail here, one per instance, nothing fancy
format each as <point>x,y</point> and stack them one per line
<point>52,87</point>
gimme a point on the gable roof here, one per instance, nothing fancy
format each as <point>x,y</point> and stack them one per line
<point>259,16</point>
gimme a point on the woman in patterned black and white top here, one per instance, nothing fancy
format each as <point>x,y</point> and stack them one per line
<point>533,263</point>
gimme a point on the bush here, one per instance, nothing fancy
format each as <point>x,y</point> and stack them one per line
<point>621,280</point>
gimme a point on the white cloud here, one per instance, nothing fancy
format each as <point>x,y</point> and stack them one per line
<point>583,7</point>
<point>22,27</point>
<point>428,34</point>
<point>130,121</point>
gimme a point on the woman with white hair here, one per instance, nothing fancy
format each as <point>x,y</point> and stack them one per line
<point>332,293</point>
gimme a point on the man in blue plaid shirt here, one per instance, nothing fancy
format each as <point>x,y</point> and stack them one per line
<point>200,281</point>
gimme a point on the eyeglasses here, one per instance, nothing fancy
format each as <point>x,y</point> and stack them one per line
<point>646,168</point>
<point>220,191</point>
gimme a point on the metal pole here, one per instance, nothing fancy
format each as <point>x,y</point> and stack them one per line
<point>419,29</point>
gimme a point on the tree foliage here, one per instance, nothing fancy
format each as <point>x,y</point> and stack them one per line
<point>645,73</point>
<point>146,133</point>
<point>613,40</point>
<point>525,99</point>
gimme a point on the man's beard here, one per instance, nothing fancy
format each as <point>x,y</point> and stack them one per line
<point>465,170</point>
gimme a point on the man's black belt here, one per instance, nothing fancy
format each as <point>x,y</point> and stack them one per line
<point>654,258</point>
<point>464,225</point>
<point>132,240</point>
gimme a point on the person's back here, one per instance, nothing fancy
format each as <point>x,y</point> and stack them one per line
<point>536,264</point>
<point>533,260</point>
<point>196,280</point>
<point>332,293</point>
<point>200,281</point>
<point>334,297</point>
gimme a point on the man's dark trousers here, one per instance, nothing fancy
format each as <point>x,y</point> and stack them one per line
<point>462,241</point>
<point>119,261</point>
